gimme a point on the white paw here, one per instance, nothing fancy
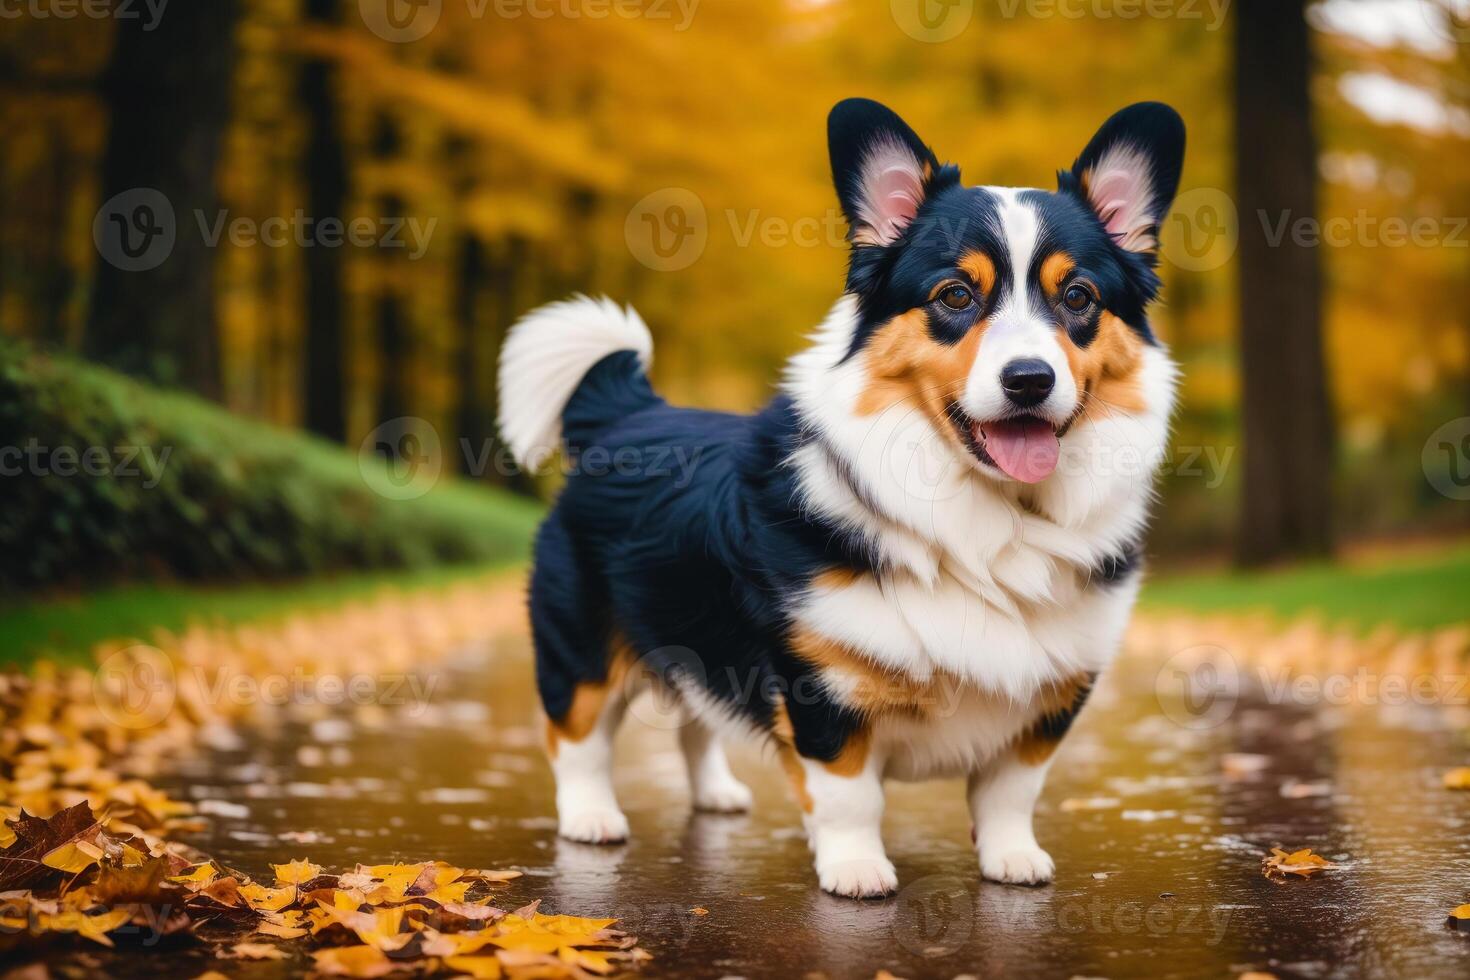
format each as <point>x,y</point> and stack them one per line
<point>594,826</point>
<point>1019,866</point>
<point>732,796</point>
<point>859,878</point>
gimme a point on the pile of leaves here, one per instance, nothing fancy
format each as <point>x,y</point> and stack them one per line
<point>89,853</point>
<point>72,876</point>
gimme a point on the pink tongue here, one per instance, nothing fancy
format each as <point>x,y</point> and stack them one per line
<point>1026,449</point>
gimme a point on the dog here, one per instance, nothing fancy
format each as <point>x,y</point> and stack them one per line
<point>915,560</point>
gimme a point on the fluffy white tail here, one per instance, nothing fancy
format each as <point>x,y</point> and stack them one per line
<point>545,357</point>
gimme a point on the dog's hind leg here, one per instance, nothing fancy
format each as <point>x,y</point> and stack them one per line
<point>580,746</point>
<point>581,669</point>
<point>712,785</point>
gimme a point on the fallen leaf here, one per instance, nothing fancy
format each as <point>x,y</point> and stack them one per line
<point>479,967</point>
<point>1279,863</point>
<point>263,899</point>
<point>1457,778</point>
<point>257,951</point>
<point>699,910</point>
<point>296,872</point>
<point>73,858</point>
<point>353,961</point>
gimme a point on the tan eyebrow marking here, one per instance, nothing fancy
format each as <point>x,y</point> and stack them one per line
<point>1055,270</point>
<point>979,268</point>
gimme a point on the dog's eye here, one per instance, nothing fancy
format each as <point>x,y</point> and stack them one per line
<point>1077,298</point>
<point>956,297</point>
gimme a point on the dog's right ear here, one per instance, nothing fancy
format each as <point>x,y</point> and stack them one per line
<point>881,169</point>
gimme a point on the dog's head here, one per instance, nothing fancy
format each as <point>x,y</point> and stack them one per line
<point>1005,314</point>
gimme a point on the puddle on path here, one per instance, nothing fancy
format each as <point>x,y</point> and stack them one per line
<point>1157,831</point>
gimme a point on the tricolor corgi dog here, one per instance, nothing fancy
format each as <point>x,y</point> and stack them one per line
<point>911,564</point>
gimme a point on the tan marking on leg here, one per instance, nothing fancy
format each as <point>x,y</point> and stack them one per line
<point>785,736</point>
<point>1060,705</point>
<point>589,699</point>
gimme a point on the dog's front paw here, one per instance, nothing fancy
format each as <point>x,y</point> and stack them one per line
<point>858,878</point>
<point>730,796</point>
<point>594,826</point>
<point>1019,866</point>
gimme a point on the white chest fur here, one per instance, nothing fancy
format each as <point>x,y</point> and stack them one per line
<point>985,582</point>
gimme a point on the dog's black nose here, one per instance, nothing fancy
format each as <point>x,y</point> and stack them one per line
<point>1028,381</point>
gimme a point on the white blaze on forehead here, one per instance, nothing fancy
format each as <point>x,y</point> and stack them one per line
<point>1016,330</point>
<point>1019,227</point>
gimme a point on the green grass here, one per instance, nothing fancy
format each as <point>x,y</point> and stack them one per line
<point>66,629</point>
<point>1416,592</point>
<point>190,492</point>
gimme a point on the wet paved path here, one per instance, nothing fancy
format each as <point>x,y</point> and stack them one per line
<point>1157,830</point>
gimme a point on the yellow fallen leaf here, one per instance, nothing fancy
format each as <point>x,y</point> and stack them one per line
<point>257,951</point>
<point>280,931</point>
<point>263,899</point>
<point>384,930</point>
<point>479,967</point>
<point>590,960</point>
<point>699,910</point>
<point>353,961</point>
<point>296,872</point>
<point>531,942</point>
<point>72,858</point>
<point>571,925</point>
<point>96,927</point>
<point>201,875</point>
<point>1279,863</point>
<point>1457,778</point>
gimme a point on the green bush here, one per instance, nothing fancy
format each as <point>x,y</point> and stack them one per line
<point>179,488</point>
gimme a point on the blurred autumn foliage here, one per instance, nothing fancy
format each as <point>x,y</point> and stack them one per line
<point>542,149</point>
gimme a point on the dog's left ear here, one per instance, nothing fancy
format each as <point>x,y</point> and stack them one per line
<point>880,167</point>
<point>1129,173</point>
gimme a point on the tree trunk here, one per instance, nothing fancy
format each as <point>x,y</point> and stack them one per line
<point>476,416</point>
<point>1286,417</point>
<point>326,192</point>
<point>168,94</point>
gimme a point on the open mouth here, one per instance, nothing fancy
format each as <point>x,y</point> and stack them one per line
<point>1024,447</point>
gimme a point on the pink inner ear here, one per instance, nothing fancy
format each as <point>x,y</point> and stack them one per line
<point>1119,189</point>
<point>892,189</point>
<point>899,190</point>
